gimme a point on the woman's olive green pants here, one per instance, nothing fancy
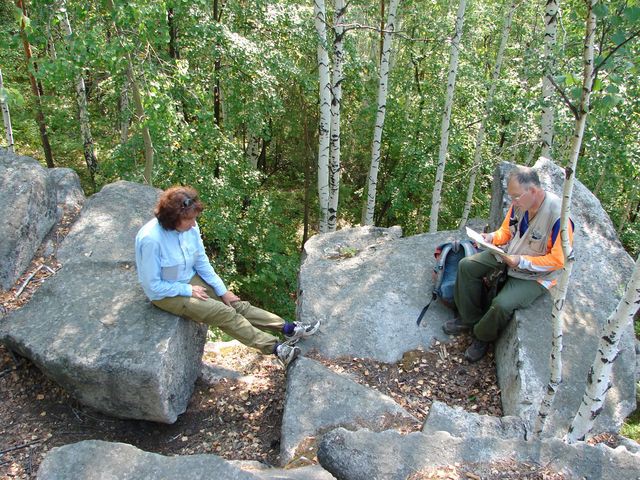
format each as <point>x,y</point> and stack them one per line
<point>241,320</point>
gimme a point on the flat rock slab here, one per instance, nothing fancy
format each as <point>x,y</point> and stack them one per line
<point>90,329</point>
<point>318,400</point>
<point>108,224</point>
<point>366,455</point>
<point>600,273</point>
<point>460,423</point>
<point>98,460</point>
<point>368,286</point>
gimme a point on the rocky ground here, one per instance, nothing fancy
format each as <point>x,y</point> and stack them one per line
<point>237,417</point>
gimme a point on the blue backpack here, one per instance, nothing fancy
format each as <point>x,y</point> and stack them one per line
<point>448,255</point>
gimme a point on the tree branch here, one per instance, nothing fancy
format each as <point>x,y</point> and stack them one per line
<point>353,26</point>
<point>614,50</point>
<point>570,105</point>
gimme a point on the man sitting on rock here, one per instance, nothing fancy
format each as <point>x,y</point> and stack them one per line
<point>530,235</point>
<point>177,276</point>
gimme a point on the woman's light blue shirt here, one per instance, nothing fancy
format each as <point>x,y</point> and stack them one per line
<point>167,260</point>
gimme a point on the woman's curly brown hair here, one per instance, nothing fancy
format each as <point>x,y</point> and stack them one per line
<point>176,203</point>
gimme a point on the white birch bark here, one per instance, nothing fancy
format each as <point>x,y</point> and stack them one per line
<point>446,119</point>
<point>598,380</point>
<point>548,110</point>
<point>477,156</point>
<point>81,97</point>
<point>320,13</point>
<point>383,86</point>
<point>253,150</point>
<point>336,103</point>
<point>6,116</point>
<point>557,313</point>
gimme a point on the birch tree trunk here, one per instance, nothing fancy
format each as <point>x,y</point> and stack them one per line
<point>325,114</point>
<point>253,150</point>
<point>6,116</point>
<point>81,97</point>
<point>477,156</point>
<point>446,119</point>
<point>137,101</point>
<point>39,115</point>
<point>598,380</point>
<point>336,103</point>
<point>548,110</point>
<point>382,108</point>
<point>557,313</point>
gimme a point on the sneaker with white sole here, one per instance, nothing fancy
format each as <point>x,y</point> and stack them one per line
<point>286,353</point>
<point>301,331</point>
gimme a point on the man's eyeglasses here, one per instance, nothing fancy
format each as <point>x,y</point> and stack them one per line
<point>518,197</point>
<point>187,202</point>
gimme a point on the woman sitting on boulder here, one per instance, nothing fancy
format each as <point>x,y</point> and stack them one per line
<point>177,276</point>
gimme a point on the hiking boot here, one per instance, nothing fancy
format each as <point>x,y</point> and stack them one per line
<point>286,353</point>
<point>301,331</point>
<point>476,350</point>
<point>455,327</point>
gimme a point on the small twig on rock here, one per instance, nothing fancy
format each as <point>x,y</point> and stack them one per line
<point>53,272</point>
<point>24,284</point>
<point>18,447</point>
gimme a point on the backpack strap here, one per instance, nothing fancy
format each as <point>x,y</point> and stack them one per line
<point>469,248</point>
<point>424,310</point>
<point>445,248</point>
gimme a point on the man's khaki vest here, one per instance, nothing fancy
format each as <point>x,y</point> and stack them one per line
<point>535,240</point>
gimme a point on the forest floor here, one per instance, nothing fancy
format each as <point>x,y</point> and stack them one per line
<point>237,419</point>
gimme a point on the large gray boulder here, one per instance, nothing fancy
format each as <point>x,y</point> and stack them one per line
<point>601,271</point>
<point>98,460</point>
<point>367,286</point>
<point>366,455</point>
<point>91,328</point>
<point>27,213</point>
<point>318,400</point>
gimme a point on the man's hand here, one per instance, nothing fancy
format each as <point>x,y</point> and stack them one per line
<point>511,260</point>
<point>199,292</point>
<point>229,297</point>
<point>487,237</point>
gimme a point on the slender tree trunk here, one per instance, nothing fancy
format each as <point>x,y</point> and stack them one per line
<point>336,103</point>
<point>548,110</point>
<point>477,156</point>
<point>6,115</point>
<point>217,111</point>
<point>42,125</point>
<point>599,378</point>
<point>254,149</point>
<point>383,86</point>
<point>125,115</point>
<point>557,313</point>
<point>446,119</point>
<point>174,52</point>
<point>325,114</point>
<point>137,101</point>
<point>83,110</point>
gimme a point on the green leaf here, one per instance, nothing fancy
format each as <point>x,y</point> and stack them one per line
<point>601,10</point>
<point>618,37</point>
<point>597,85</point>
<point>632,14</point>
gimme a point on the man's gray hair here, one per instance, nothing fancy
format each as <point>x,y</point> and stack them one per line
<point>525,176</point>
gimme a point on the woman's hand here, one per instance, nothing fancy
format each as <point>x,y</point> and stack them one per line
<point>229,297</point>
<point>199,292</point>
